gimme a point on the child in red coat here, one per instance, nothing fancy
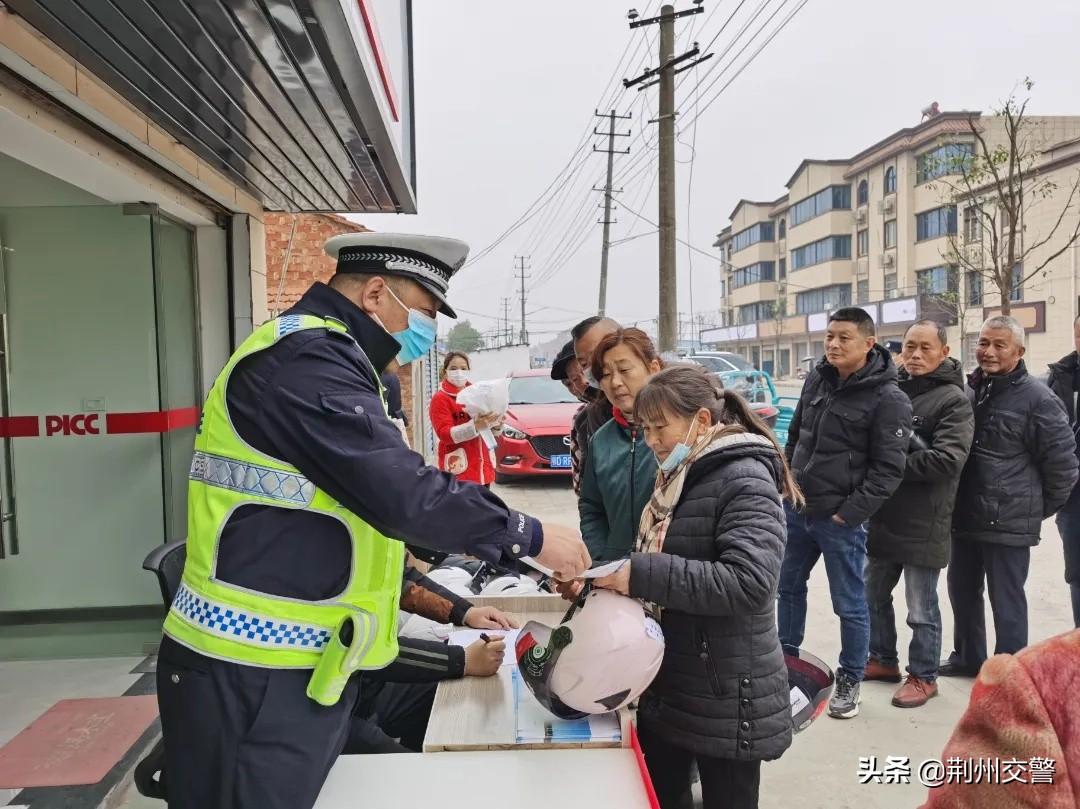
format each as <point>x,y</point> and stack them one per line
<point>462,450</point>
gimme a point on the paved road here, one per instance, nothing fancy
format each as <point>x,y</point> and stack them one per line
<point>821,768</point>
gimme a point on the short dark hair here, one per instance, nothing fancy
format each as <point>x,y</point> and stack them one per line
<point>853,314</point>
<point>581,328</point>
<point>942,332</point>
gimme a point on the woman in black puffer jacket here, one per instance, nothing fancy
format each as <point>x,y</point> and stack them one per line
<point>709,553</point>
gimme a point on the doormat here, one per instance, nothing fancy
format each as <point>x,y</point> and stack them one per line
<point>76,741</point>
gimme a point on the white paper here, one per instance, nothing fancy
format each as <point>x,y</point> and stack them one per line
<point>467,637</point>
<point>798,700</point>
<point>597,572</point>
<point>535,724</point>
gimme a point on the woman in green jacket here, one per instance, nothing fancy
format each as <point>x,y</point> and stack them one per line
<point>620,470</point>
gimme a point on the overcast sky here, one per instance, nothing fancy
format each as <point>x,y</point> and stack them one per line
<point>505,91</point>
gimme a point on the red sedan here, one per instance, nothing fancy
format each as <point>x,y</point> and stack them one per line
<point>535,438</point>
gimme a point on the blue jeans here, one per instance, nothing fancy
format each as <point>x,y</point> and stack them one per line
<point>923,616</point>
<point>844,549</point>
<point>1068,523</point>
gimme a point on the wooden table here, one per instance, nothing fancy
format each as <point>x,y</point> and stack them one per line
<point>477,713</point>
<point>475,718</point>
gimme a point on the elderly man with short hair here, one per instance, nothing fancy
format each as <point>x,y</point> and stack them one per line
<point>1021,470</point>
<point>910,534</point>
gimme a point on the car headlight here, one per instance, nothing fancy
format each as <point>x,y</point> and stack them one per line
<point>513,432</point>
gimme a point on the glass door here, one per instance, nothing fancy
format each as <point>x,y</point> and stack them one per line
<point>178,363</point>
<point>9,533</point>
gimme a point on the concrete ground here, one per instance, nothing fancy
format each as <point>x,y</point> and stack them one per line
<point>821,767</point>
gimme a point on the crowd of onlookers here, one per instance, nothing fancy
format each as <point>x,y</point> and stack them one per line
<point>895,466</point>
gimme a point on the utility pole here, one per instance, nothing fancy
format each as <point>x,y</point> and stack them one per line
<point>664,75</point>
<point>608,191</point>
<point>506,322</point>
<point>521,270</point>
<point>666,122</point>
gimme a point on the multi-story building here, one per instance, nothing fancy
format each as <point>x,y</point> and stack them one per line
<point>880,230</point>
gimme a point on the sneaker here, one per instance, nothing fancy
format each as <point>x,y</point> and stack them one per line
<point>844,703</point>
<point>914,692</point>
<point>881,672</point>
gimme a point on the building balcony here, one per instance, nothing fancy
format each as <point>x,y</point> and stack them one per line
<point>752,293</point>
<point>837,271</point>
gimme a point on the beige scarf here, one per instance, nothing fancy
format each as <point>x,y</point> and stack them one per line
<point>669,488</point>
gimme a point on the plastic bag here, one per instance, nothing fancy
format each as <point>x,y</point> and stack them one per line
<point>489,396</point>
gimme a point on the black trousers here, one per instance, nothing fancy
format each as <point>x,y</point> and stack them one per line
<point>242,737</point>
<point>1004,569</point>
<point>387,711</point>
<point>725,783</point>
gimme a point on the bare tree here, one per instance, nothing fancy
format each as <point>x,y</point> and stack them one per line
<point>995,187</point>
<point>779,314</point>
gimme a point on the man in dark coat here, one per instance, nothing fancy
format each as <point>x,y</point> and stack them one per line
<point>847,446</point>
<point>910,533</point>
<point>1021,470</point>
<point>1064,380</point>
<point>597,411</point>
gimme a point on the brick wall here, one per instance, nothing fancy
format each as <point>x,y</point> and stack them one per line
<point>308,263</point>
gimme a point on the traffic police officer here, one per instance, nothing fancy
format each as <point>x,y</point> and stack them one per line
<point>301,493</point>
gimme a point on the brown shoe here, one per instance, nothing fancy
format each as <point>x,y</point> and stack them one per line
<point>914,692</point>
<point>876,670</point>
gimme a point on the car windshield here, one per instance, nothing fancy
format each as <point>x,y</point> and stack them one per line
<point>714,364</point>
<point>526,390</point>
<point>738,362</point>
<point>751,385</point>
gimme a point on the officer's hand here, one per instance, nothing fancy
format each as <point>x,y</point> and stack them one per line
<point>564,552</point>
<point>483,658</point>
<point>489,618</point>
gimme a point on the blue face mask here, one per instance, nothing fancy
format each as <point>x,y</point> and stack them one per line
<point>418,338</point>
<point>679,453</point>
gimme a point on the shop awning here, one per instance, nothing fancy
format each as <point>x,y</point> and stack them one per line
<point>299,102</point>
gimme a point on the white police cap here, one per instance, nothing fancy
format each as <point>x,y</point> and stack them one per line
<point>431,261</point>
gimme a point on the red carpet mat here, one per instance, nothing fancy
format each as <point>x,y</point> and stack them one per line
<point>76,741</point>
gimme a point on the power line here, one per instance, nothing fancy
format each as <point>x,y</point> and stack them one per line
<point>583,140</point>
<point>754,55</point>
<point>636,164</point>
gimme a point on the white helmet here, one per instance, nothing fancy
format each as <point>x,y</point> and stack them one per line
<point>454,579</point>
<point>601,656</point>
<point>510,585</point>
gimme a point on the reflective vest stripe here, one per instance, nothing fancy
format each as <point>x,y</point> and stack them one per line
<point>249,478</point>
<point>246,626</point>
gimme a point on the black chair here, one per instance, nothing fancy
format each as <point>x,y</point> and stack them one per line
<point>167,563</point>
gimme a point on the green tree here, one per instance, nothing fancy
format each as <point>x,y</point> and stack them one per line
<point>463,337</point>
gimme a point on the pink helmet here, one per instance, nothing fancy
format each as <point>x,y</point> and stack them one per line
<point>602,655</point>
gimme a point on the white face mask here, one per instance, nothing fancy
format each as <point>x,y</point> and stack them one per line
<point>457,377</point>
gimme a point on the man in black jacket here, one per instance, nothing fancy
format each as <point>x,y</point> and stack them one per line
<point>847,446</point>
<point>597,412</point>
<point>910,533</point>
<point>1064,380</point>
<point>1021,470</point>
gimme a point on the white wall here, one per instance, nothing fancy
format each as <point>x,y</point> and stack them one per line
<point>498,362</point>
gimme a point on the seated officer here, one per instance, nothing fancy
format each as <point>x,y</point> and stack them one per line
<point>395,702</point>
